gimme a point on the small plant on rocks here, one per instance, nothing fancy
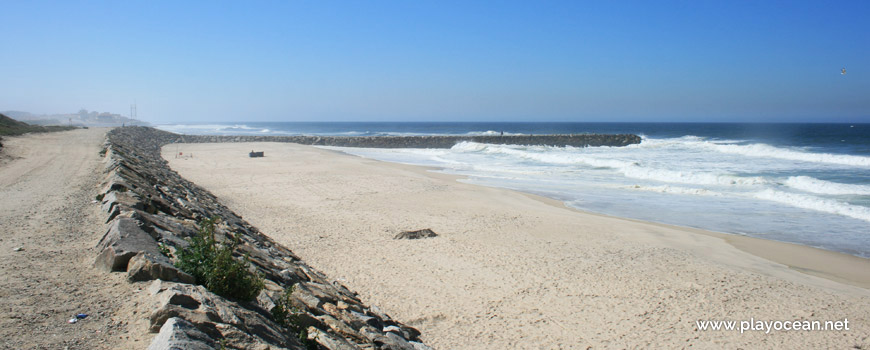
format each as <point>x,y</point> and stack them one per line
<point>287,315</point>
<point>284,313</point>
<point>213,265</point>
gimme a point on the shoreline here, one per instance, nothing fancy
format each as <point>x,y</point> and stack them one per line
<point>812,261</point>
<point>848,269</point>
<point>513,267</point>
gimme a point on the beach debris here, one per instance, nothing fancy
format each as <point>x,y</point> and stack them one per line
<point>77,318</point>
<point>256,154</point>
<point>424,233</point>
<point>17,249</point>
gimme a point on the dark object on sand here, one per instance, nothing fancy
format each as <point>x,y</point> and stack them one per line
<point>424,233</point>
<point>256,154</point>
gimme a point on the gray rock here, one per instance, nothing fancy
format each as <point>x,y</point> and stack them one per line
<point>329,341</point>
<point>358,320</point>
<point>122,241</point>
<point>419,346</point>
<point>215,315</point>
<point>178,334</point>
<point>128,199</point>
<point>146,267</point>
<point>424,233</point>
<point>393,341</point>
<point>304,295</point>
<point>338,326</point>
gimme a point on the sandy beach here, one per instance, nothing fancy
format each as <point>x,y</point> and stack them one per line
<point>513,270</point>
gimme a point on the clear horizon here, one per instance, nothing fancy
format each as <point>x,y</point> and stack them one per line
<point>633,61</point>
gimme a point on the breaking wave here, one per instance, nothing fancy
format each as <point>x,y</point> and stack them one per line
<point>756,150</point>
<point>813,185</point>
<point>631,169</point>
<point>815,203</point>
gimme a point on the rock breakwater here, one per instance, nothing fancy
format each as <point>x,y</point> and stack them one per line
<point>151,210</point>
<point>574,140</point>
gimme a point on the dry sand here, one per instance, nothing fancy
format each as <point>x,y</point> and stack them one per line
<point>47,183</point>
<point>511,270</point>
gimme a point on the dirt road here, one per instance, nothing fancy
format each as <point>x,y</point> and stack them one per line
<point>48,229</point>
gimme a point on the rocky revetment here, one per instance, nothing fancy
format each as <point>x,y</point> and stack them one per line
<point>152,211</point>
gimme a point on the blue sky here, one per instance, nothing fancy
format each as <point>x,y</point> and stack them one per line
<point>215,61</point>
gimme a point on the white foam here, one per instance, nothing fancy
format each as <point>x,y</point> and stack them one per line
<point>813,185</point>
<point>755,150</point>
<point>815,203</point>
<point>677,190</point>
<point>763,150</point>
<point>469,147</point>
<point>628,168</point>
<point>688,177</point>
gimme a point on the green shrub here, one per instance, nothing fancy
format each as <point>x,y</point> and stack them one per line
<point>213,265</point>
<point>284,313</point>
<point>287,315</point>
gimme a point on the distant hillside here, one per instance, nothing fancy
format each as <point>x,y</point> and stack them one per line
<point>9,127</point>
<point>82,118</point>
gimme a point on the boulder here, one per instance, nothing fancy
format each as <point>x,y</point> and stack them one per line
<point>128,199</point>
<point>216,316</point>
<point>178,334</point>
<point>338,326</point>
<point>146,267</point>
<point>114,182</point>
<point>329,341</point>
<point>393,341</point>
<point>122,241</point>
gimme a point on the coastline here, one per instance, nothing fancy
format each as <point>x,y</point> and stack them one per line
<point>836,267</point>
<point>829,265</point>
<point>649,254</point>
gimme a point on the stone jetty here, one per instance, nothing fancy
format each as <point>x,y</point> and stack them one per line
<point>574,140</point>
<point>151,211</point>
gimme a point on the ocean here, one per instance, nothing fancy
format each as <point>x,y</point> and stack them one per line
<point>800,183</point>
